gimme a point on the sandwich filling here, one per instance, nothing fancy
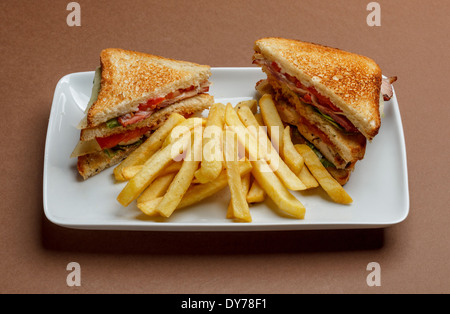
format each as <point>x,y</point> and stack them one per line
<point>308,95</point>
<point>146,109</point>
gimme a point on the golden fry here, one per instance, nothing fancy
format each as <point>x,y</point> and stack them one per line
<point>273,121</point>
<point>245,179</point>
<point>326,181</point>
<point>150,146</point>
<point>276,190</point>
<point>291,156</point>
<point>212,165</point>
<point>197,193</point>
<point>183,178</point>
<point>238,198</point>
<point>182,129</point>
<point>286,175</point>
<point>157,188</point>
<point>129,172</point>
<point>151,170</point>
<point>252,104</point>
<point>256,194</point>
<point>259,118</point>
<point>150,207</point>
<point>307,178</point>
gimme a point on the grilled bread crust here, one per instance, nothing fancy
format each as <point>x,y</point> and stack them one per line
<point>184,107</point>
<point>130,78</point>
<point>351,81</point>
<point>341,148</point>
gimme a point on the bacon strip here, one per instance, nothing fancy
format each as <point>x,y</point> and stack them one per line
<point>386,87</point>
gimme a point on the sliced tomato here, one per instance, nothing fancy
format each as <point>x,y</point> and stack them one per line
<point>323,100</point>
<point>151,104</point>
<point>113,140</point>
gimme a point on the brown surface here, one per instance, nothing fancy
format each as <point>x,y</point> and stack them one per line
<point>38,48</point>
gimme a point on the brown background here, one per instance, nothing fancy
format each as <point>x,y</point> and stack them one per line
<point>38,48</point>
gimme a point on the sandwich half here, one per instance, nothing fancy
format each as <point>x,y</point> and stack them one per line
<point>332,97</point>
<point>133,94</point>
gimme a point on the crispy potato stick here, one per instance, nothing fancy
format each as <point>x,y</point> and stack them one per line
<point>291,156</point>
<point>238,198</point>
<point>276,190</point>
<point>286,175</point>
<point>183,128</point>
<point>152,169</point>
<point>273,121</point>
<point>197,193</point>
<point>150,207</point>
<point>183,178</point>
<point>307,178</point>
<point>245,188</point>
<point>252,104</point>
<point>157,188</point>
<point>326,181</point>
<point>256,194</point>
<point>244,136</point>
<point>212,165</point>
<point>129,172</point>
<point>259,118</point>
<point>150,146</point>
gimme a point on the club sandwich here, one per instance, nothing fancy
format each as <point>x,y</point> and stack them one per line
<point>133,94</point>
<point>332,96</point>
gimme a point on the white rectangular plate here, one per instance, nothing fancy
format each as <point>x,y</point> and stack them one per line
<point>378,186</point>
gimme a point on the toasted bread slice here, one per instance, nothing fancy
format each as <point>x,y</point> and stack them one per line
<point>130,78</point>
<point>350,81</point>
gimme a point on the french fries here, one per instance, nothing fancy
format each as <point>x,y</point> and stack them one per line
<point>212,165</point>
<point>197,193</point>
<point>157,188</point>
<point>256,194</point>
<point>183,178</point>
<point>252,104</point>
<point>131,171</point>
<point>151,169</point>
<point>245,180</point>
<point>292,158</point>
<point>149,147</point>
<point>238,195</point>
<point>326,181</point>
<point>273,121</point>
<point>182,129</point>
<point>289,178</point>
<point>259,118</point>
<point>188,160</point>
<point>307,178</point>
<point>276,190</point>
